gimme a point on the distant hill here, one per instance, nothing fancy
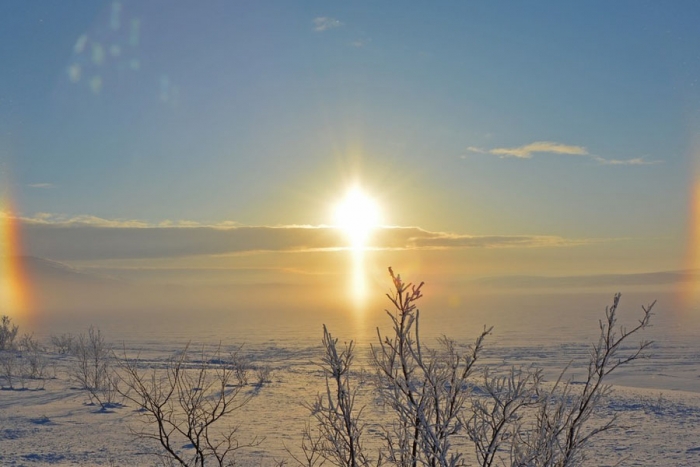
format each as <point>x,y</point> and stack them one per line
<point>40,270</point>
<point>659,278</point>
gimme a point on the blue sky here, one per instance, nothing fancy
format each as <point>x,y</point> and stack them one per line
<point>566,120</point>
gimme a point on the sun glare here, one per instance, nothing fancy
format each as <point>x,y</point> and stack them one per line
<point>357,215</point>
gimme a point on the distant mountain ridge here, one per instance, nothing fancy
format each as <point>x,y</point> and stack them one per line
<point>40,269</point>
<point>594,280</point>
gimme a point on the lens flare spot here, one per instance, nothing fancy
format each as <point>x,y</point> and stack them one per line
<point>80,44</point>
<point>135,32</point>
<point>98,54</point>
<point>74,72</point>
<point>96,84</point>
<point>115,16</point>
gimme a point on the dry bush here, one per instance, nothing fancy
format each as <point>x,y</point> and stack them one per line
<point>93,369</point>
<point>186,407</point>
<point>8,333</point>
<point>23,361</point>
<point>435,396</point>
<point>63,344</point>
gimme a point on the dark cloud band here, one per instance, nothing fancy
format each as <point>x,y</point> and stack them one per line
<point>85,241</point>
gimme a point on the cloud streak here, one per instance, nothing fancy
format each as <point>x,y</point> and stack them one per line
<point>446,240</point>
<point>635,161</point>
<point>87,238</point>
<point>324,23</point>
<point>526,151</point>
<point>550,147</point>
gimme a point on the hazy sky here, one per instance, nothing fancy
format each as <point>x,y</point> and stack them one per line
<point>513,137</point>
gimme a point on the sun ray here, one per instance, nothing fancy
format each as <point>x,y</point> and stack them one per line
<point>357,215</point>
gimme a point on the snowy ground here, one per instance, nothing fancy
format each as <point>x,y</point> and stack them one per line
<point>57,426</point>
<point>657,400</point>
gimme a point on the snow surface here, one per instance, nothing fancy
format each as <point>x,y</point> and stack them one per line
<point>657,399</point>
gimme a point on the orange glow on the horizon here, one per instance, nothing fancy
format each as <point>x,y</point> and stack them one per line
<point>14,286</point>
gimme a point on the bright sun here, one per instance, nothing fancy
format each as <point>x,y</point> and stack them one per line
<point>357,215</point>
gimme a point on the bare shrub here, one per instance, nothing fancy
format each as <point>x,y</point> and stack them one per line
<point>311,448</point>
<point>63,344</point>
<point>263,375</point>
<point>426,389</point>
<point>434,396</point>
<point>495,419</point>
<point>93,369</point>
<point>34,361</point>
<point>185,407</point>
<point>9,368</point>
<point>338,420</point>
<point>23,361</point>
<point>8,333</point>
<point>564,427</point>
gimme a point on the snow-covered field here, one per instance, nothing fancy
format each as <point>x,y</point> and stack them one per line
<point>657,399</point>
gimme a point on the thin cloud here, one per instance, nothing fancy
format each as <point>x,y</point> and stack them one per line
<point>526,152</point>
<point>41,185</point>
<point>477,150</point>
<point>445,240</point>
<point>550,147</point>
<point>94,221</point>
<point>86,238</point>
<point>635,161</point>
<point>44,218</point>
<point>324,23</point>
<point>359,43</point>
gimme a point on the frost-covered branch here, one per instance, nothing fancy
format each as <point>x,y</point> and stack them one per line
<point>187,403</point>
<point>433,397</point>
<point>338,421</point>
<point>563,426</point>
